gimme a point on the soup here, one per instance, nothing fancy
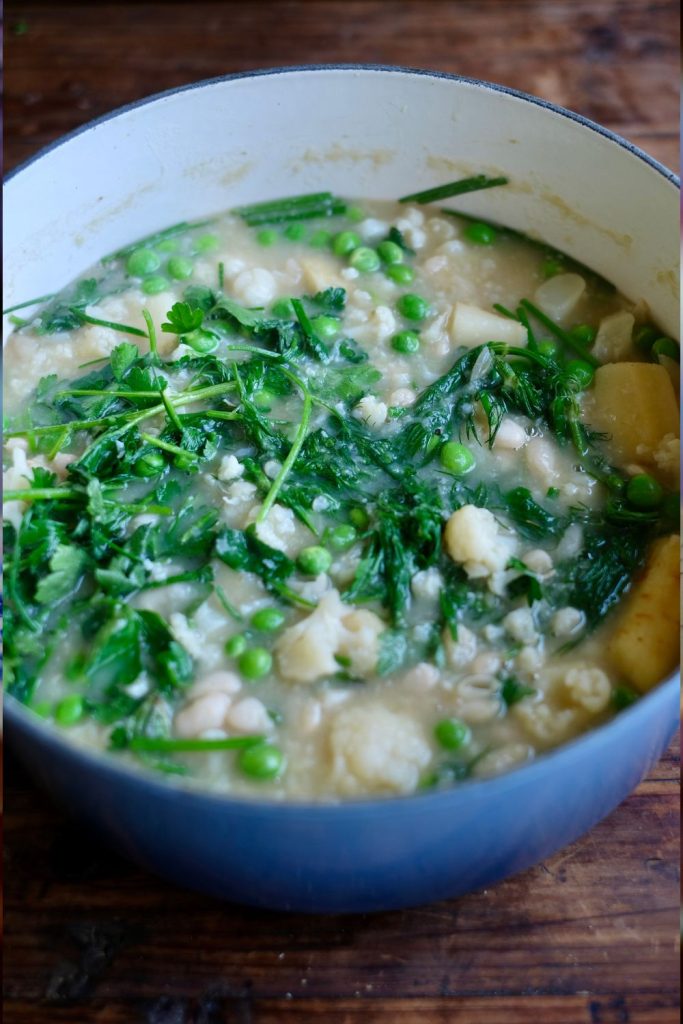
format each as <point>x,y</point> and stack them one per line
<point>322,499</point>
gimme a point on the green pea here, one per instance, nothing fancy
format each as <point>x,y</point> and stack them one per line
<point>365,259</point>
<point>206,242</point>
<point>355,214</point>
<point>580,373</point>
<point>255,663</point>
<point>406,342</point>
<point>283,309</point>
<point>359,517</point>
<point>645,337</point>
<point>320,239</point>
<point>666,347</point>
<point>142,262</point>
<point>413,307</point>
<point>341,537</point>
<point>179,268</point>
<point>201,341</point>
<point>480,233</point>
<point>390,252</point>
<point>295,232</point>
<point>452,733</point>
<point>400,273</point>
<point>167,245</point>
<point>264,399</point>
<point>345,242</point>
<point>236,645</point>
<point>70,710</point>
<point>267,620</point>
<point>314,560</point>
<point>150,464</point>
<point>644,491</point>
<point>584,333</point>
<point>623,697</point>
<point>267,237</point>
<point>456,458</point>
<point>42,708</point>
<point>551,268</point>
<point>548,348</point>
<point>325,327</point>
<point>262,761</point>
<point>154,285</point>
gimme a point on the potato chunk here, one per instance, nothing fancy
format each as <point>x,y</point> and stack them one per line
<point>645,645</point>
<point>636,404</point>
<point>471,326</point>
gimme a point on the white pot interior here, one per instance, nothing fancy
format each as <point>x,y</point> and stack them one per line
<point>355,131</point>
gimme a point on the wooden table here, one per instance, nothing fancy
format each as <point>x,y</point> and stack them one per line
<point>590,935</point>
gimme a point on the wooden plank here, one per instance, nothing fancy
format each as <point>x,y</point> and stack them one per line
<point>591,935</point>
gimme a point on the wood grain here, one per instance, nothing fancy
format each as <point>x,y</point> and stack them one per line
<point>612,60</point>
<point>589,936</point>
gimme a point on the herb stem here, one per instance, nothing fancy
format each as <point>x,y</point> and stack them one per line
<point>123,328</point>
<point>292,456</point>
<point>42,494</point>
<point>161,745</point>
<point>454,188</point>
<point>561,335</point>
<point>165,445</point>
<point>29,302</point>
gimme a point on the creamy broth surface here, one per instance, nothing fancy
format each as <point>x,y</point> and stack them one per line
<point>369,612</point>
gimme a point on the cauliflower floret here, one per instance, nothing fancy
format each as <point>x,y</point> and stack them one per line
<point>587,688</point>
<point>371,411</point>
<point>538,561</point>
<point>521,626</point>
<point>359,641</point>
<point>495,762</point>
<point>545,725</point>
<point>278,529</point>
<point>306,651</point>
<point>230,469</point>
<point>255,287</point>
<point>459,652</point>
<point>374,750</point>
<point>427,583</point>
<point>474,539</point>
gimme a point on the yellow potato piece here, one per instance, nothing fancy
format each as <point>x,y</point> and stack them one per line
<point>635,403</point>
<point>645,646</point>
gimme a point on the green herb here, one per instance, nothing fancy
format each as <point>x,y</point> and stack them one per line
<point>279,211</point>
<point>455,188</point>
<point>512,691</point>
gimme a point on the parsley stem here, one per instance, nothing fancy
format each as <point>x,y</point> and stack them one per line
<point>161,745</point>
<point>103,393</point>
<point>167,447</point>
<point>42,494</point>
<point>13,580</point>
<point>298,441</point>
<point>151,334</point>
<point>85,318</point>
<point>29,302</point>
